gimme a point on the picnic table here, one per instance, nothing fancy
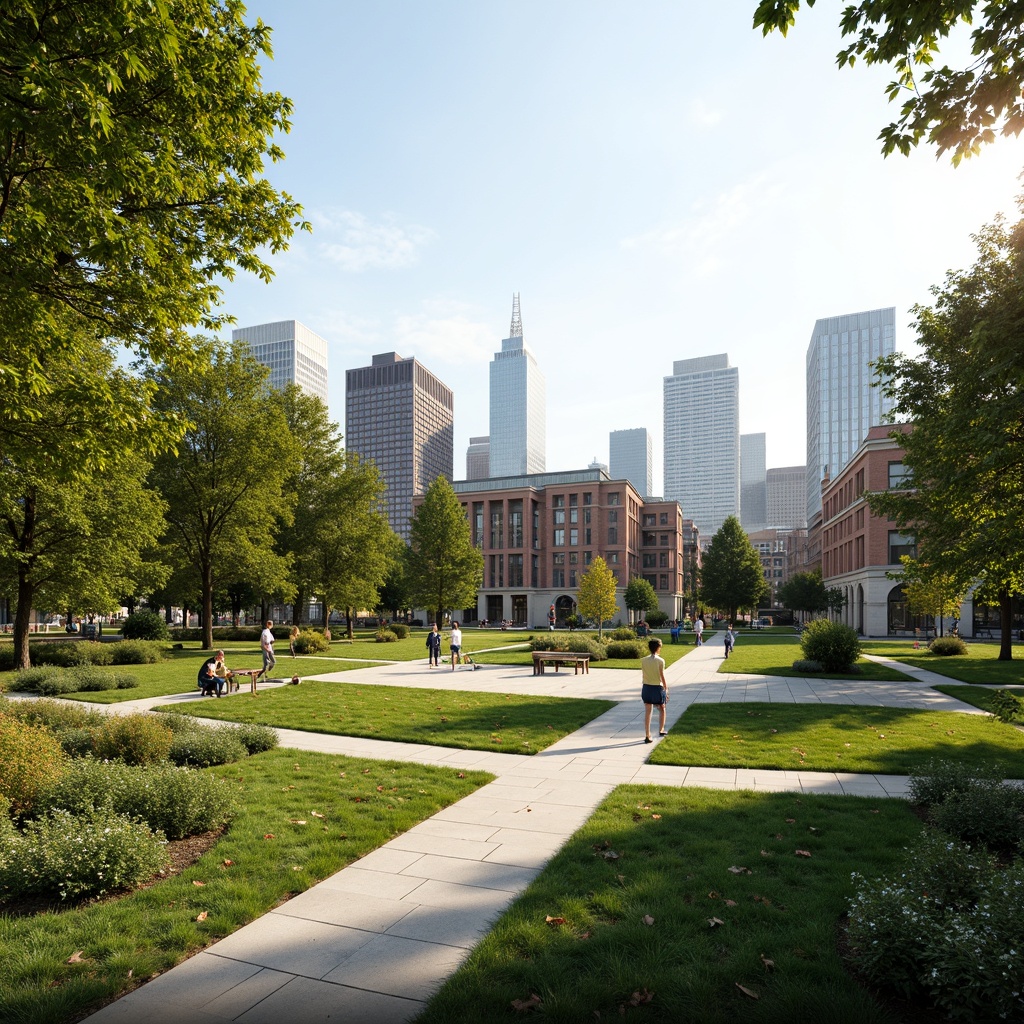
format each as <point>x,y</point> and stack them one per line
<point>252,673</point>
<point>556,658</point>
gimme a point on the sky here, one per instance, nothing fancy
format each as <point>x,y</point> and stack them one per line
<point>655,179</point>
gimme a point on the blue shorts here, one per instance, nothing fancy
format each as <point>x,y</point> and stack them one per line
<point>455,649</point>
<point>653,694</point>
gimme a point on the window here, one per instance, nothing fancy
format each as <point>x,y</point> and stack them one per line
<point>559,519</point>
<point>650,561</point>
<point>559,538</point>
<point>586,517</point>
<point>613,535</point>
<point>663,560</point>
<point>478,524</point>
<point>663,519</point>
<point>613,498</point>
<point>558,577</point>
<point>574,515</point>
<point>497,528</point>
<point>663,540</point>
<point>613,517</point>
<point>613,558</point>
<point>650,539</point>
<point>558,501</point>
<point>650,520</point>
<point>558,559</point>
<point>574,537</point>
<point>587,557</point>
<point>899,476</point>
<point>574,557</point>
<point>586,535</point>
<point>901,544</point>
<point>515,570</point>
<point>586,497</point>
<point>572,577</point>
<point>515,525</point>
<point>572,500</point>
<point>664,582</point>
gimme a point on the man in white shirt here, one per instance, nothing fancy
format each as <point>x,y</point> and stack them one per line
<point>698,628</point>
<point>267,646</point>
<point>456,644</point>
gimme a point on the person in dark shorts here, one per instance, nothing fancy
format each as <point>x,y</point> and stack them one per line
<point>654,692</point>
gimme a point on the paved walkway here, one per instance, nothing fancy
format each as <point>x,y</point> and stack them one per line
<point>374,941</point>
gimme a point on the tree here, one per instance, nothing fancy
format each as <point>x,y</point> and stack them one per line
<point>596,595</point>
<point>957,110</point>
<point>929,590</point>
<point>223,486</point>
<point>394,596</point>
<point>731,576</point>
<point>443,568</point>
<point>964,395</point>
<point>640,596</point>
<point>131,178</point>
<point>804,592</point>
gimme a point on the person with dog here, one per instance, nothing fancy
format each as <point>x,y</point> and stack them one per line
<point>654,691</point>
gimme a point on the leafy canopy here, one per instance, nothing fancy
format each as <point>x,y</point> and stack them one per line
<point>731,575</point>
<point>640,595</point>
<point>596,595</point>
<point>956,110</point>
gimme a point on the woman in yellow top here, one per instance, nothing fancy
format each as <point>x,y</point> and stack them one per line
<point>654,691</point>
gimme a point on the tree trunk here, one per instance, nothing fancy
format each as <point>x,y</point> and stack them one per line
<point>21,619</point>
<point>1005,626</point>
<point>299,604</point>
<point>348,619</point>
<point>207,576</point>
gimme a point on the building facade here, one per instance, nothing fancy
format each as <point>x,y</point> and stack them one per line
<point>841,403</point>
<point>631,457</point>
<point>773,548</point>
<point>292,353</point>
<point>518,406</point>
<point>786,496</point>
<point>539,533</point>
<point>753,482</point>
<point>478,458</point>
<point>702,440</point>
<point>398,414</point>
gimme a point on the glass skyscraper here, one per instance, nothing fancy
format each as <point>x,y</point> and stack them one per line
<point>753,482</point>
<point>518,407</point>
<point>841,403</point>
<point>631,457</point>
<point>292,353</point>
<point>702,440</point>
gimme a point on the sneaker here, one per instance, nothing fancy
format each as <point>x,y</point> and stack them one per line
<point>647,739</point>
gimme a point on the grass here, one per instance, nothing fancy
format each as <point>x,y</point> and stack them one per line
<point>518,724</point>
<point>829,737</point>
<point>265,855</point>
<point>979,665</point>
<point>979,697</point>
<point>774,654</point>
<point>623,920</point>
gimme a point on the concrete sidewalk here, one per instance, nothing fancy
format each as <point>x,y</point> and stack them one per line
<point>374,941</point>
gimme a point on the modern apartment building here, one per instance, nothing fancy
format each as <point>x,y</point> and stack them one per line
<point>702,440</point>
<point>786,489</point>
<point>631,457</point>
<point>753,483</point>
<point>399,414</point>
<point>842,405</point>
<point>518,406</point>
<point>478,458</point>
<point>539,533</point>
<point>292,353</point>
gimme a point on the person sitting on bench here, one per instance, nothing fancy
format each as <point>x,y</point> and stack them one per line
<point>213,675</point>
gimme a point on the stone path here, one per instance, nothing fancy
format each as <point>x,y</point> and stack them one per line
<point>374,941</point>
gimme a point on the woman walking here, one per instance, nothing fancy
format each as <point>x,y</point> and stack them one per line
<point>654,692</point>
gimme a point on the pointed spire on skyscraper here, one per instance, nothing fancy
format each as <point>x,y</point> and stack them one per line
<point>516,330</point>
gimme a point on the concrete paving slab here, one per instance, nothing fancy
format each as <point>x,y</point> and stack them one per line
<point>454,926</point>
<point>476,874</point>
<point>351,910</point>
<point>371,883</point>
<point>247,994</point>
<point>312,1001</point>
<point>421,842</point>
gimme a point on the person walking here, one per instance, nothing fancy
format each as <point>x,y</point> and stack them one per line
<point>434,647</point>
<point>267,646</point>
<point>730,639</point>
<point>456,644</point>
<point>698,628</point>
<point>654,691</point>
<point>293,635</point>
<point>551,618</point>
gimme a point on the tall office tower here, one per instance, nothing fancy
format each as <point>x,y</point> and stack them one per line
<point>753,487</point>
<point>841,403</point>
<point>518,406</point>
<point>702,440</point>
<point>478,458</point>
<point>398,414</point>
<point>787,498</point>
<point>293,353</point>
<point>631,457</point>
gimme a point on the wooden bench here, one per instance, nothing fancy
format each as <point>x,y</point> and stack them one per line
<point>556,658</point>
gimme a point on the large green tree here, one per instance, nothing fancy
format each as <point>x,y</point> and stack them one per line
<point>953,109</point>
<point>804,592</point>
<point>640,596</point>
<point>964,395</point>
<point>444,570</point>
<point>132,146</point>
<point>595,597</point>
<point>224,483</point>
<point>731,575</point>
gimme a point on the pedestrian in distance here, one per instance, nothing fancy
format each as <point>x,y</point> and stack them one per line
<point>293,635</point>
<point>267,647</point>
<point>730,639</point>
<point>551,618</point>
<point>698,628</point>
<point>456,644</point>
<point>434,647</point>
<point>654,691</point>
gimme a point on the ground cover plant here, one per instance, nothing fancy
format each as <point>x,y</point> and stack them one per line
<point>831,737</point>
<point>518,724</point>
<point>979,665</point>
<point>773,654</point>
<point>687,905</point>
<point>301,817</point>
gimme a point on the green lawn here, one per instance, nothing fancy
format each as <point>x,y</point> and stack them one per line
<point>450,718</point>
<point>979,665</point>
<point>830,737</point>
<point>980,697</point>
<point>773,655</point>
<point>303,816</point>
<point>668,899</point>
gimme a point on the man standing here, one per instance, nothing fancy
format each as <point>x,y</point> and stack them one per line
<point>698,628</point>
<point>730,639</point>
<point>267,646</point>
<point>456,644</point>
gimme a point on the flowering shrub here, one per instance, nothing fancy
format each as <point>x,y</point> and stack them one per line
<point>834,646</point>
<point>950,927</point>
<point>72,856</point>
<point>30,758</point>
<point>135,739</point>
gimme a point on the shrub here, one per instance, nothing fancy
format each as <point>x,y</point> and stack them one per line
<point>86,678</point>
<point>310,641</point>
<point>834,646</point>
<point>623,633</point>
<point>74,856</point>
<point>185,633</point>
<point>1006,706</point>
<point>145,625</point>
<point>201,747</point>
<point>135,739</point>
<point>136,652</point>
<point>65,653</point>
<point>947,646</point>
<point>578,643</point>
<point>125,681</point>
<point>257,738</point>
<point>657,619</point>
<point>948,926</point>
<point>385,636</point>
<point>176,801</point>
<point>939,779</point>
<point>400,629</point>
<point>987,812</point>
<point>30,757</point>
<point>807,665</point>
<point>77,742</point>
<point>28,680</point>
<point>7,658</point>
<point>57,715</point>
<point>627,649</point>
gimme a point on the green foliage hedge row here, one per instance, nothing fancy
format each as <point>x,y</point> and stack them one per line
<point>75,653</point>
<point>228,632</point>
<point>623,633</point>
<point>50,681</point>
<point>577,643</point>
<point>627,649</point>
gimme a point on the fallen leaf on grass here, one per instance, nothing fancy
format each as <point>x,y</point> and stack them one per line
<point>730,903</point>
<point>803,853</point>
<point>195,881</point>
<point>791,821</point>
<point>228,863</point>
<point>75,958</point>
<point>769,964</point>
<point>747,991</point>
<point>269,835</point>
<point>366,771</point>
<point>656,817</point>
<point>555,922</point>
<point>526,1005</point>
<point>298,821</point>
<point>203,916</point>
<point>714,922</point>
<point>765,853</point>
<point>641,997</point>
<point>648,920</point>
<point>740,870</point>
<point>461,775</point>
<point>295,867</point>
<point>585,935</point>
<point>610,855</point>
<point>317,814</point>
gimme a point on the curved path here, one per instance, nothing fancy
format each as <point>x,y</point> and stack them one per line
<point>372,942</point>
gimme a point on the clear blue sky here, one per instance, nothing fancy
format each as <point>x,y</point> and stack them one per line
<point>655,179</point>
